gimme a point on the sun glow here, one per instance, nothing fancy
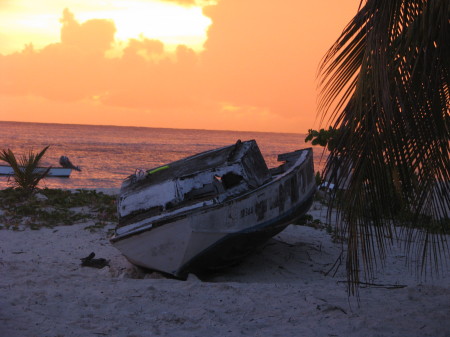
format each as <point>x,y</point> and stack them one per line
<point>23,22</point>
<point>168,23</point>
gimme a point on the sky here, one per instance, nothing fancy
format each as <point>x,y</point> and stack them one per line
<point>247,65</point>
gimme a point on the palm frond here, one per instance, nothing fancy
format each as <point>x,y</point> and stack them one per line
<point>385,86</point>
<point>26,173</point>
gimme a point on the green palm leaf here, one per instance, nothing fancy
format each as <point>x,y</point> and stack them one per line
<point>26,173</point>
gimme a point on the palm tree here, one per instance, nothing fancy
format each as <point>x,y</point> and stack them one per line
<point>385,86</point>
<point>26,175</point>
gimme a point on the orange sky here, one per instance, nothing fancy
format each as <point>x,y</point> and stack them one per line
<point>242,65</point>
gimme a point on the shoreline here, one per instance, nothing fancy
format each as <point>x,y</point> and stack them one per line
<point>281,290</point>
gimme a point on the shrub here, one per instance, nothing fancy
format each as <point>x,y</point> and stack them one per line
<point>26,173</point>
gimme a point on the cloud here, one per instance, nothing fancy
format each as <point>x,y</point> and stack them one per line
<point>67,71</point>
<point>93,35</point>
<point>257,71</point>
<point>144,47</point>
<point>76,68</point>
<point>7,4</point>
<point>185,2</point>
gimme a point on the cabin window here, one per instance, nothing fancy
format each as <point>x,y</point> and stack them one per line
<point>229,179</point>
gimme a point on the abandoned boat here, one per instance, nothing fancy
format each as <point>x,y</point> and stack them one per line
<point>210,210</point>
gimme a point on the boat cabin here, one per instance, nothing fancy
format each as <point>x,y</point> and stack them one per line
<point>208,177</point>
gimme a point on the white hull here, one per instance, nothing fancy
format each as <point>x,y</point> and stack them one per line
<point>209,233</point>
<point>61,172</point>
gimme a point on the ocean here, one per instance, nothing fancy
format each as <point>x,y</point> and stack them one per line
<point>109,154</point>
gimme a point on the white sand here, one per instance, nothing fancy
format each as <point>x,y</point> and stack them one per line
<point>281,290</point>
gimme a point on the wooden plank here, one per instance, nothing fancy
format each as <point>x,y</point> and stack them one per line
<point>290,156</point>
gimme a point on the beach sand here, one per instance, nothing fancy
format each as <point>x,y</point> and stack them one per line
<point>281,290</point>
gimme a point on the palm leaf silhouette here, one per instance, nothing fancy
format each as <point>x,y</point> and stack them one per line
<point>385,86</point>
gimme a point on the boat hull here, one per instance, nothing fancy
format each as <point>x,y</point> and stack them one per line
<point>221,234</point>
<point>232,248</point>
<point>60,172</point>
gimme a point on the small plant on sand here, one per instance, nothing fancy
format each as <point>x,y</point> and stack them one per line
<point>26,173</point>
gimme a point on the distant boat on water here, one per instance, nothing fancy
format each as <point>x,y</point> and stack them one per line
<point>57,172</point>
